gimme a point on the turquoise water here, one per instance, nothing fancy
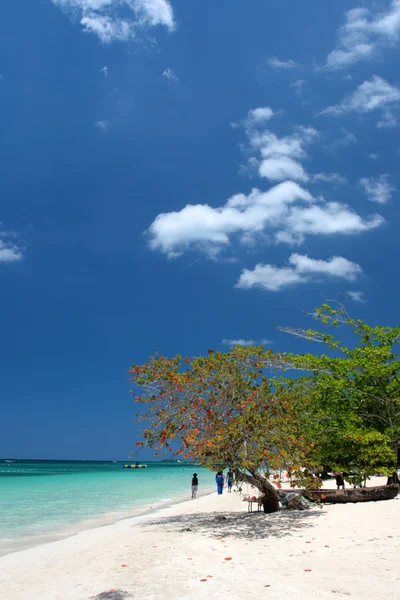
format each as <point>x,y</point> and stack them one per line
<point>45,499</point>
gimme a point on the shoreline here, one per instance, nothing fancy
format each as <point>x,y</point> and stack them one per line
<point>69,530</point>
<point>66,531</point>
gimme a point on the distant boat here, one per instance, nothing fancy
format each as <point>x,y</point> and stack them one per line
<point>137,466</point>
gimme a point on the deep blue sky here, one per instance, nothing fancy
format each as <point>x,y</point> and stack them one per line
<point>91,156</point>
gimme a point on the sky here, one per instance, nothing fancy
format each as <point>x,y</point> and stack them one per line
<point>177,176</point>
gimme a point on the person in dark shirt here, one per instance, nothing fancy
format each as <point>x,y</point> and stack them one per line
<point>195,485</point>
<point>229,479</point>
<point>339,480</point>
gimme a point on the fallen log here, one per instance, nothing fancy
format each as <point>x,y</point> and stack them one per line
<point>367,494</point>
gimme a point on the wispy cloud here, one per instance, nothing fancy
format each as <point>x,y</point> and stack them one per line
<point>302,270</point>
<point>119,20</point>
<point>275,63</point>
<point>104,126</point>
<point>388,120</point>
<point>330,178</point>
<point>347,139</point>
<point>357,296</point>
<point>170,76</point>
<point>363,35</point>
<point>377,189</point>
<point>241,342</point>
<point>375,94</point>
<point>373,156</point>
<point>104,70</point>
<point>299,86</point>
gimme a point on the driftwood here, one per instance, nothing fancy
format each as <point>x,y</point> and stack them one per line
<point>371,494</point>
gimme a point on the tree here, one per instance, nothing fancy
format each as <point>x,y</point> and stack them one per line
<point>221,411</point>
<point>356,392</point>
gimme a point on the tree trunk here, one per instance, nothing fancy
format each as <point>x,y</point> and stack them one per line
<point>270,499</point>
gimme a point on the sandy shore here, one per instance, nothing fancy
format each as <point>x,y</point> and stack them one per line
<point>333,552</point>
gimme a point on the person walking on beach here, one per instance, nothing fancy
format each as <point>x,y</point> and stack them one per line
<point>195,485</point>
<point>229,479</point>
<point>219,478</point>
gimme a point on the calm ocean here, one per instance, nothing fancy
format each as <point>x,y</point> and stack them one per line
<point>45,500</point>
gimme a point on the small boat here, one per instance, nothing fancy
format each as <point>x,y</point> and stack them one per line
<point>350,495</point>
<point>136,466</point>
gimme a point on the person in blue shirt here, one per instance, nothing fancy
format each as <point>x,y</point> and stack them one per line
<point>219,478</point>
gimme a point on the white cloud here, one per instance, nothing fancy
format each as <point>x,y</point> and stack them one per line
<point>326,219</point>
<point>373,156</point>
<point>357,296</point>
<point>259,116</point>
<point>104,126</point>
<point>119,20</point>
<point>287,211</point>
<point>302,269</point>
<point>279,168</point>
<point>377,189</point>
<point>275,63</point>
<point>10,250</point>
<point>330,178</point>
<point>241,342</point>
<point>104,70</point>
<point>363,34</point>
<point>279,157</point>
<point>374,94</point>
<point>170,75</point>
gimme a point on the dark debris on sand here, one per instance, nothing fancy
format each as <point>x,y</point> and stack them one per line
<point>114,595</point>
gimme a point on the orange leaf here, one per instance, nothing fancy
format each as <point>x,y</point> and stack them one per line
<point>228,558</point>
<point>203,579</point>
<point>124,565</point>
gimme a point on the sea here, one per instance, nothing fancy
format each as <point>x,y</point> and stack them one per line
<point>45,500</point>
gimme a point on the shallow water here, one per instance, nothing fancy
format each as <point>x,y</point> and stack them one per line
<point>45,497</point>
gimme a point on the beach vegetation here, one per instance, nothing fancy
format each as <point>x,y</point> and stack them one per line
<point>272,416</point>
<point>221,411</point>
<point>355,391</point>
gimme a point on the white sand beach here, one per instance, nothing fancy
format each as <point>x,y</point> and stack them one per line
<point>186,551</point>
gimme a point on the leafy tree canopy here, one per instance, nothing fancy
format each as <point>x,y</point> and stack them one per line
<point>236,409</point>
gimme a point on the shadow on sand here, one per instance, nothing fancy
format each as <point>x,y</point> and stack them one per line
<point>240,525</point>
